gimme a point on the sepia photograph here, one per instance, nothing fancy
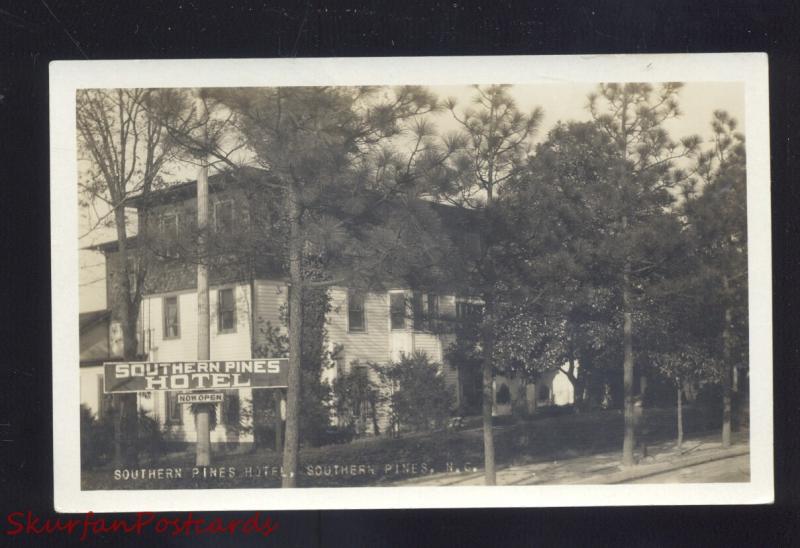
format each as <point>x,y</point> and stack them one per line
<point>413,285</point>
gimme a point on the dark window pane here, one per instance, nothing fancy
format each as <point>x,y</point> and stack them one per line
<point>169,226</point>
<point>169,244</point>
<point>418,312</point>
<point>171,318</point>
<point>433,308</point>
<point>223,216</point>
<point>433,305</point>
<point>398,310</point>
<point>226,306</point>
<point>355,312</point>
<point>133,272</point>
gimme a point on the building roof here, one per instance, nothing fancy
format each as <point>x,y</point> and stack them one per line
<point>90,319</point>
<point>455,217</point>
<point>187,189</point>
<point>111,246</point>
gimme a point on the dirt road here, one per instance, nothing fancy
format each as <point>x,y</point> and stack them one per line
<point>723,470</point>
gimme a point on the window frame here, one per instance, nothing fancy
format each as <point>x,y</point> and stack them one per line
<point>431,314</point>
<point>164,300</point>
<point>417,311</point>
<point>133,266</point>
<point>162,223</point>
<point>362,296</point>
<point>220,329</point>
<point>432,300</point>
<point>392,311</point>
<point>217,205</point>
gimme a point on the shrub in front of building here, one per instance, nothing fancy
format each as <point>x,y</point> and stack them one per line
<point>420,399</point>
<point>97,439</point>
<point>356,399</point>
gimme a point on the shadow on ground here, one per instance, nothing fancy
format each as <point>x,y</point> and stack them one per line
<point>385,461</point>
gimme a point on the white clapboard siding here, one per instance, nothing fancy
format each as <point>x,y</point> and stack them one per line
<point>270,298</point>
<point>223,346</point>
<point>371,345</point>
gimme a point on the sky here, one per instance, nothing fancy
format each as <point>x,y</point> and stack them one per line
<point>563,102</point>
<point>559,101</point>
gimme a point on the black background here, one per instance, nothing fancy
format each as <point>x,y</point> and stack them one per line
<point>36,32</point>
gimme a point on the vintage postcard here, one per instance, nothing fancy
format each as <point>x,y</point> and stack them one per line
<point>411,282</point>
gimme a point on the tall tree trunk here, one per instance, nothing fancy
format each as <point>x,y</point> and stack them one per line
<point>202,412</point>
<point>278,397</point>
<point>577,385</point>
<point>125,406</point>
<point>292,441</point>
<point>490,473</point>
<point>727,356</point>
<point>680,415</point>
<point>629,440</point>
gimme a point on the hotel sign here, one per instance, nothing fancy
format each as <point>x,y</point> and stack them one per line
<point>198,375</point>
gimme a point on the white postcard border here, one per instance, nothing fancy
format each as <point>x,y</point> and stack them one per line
<point>68,76</point>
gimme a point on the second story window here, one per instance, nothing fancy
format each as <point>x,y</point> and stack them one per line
<point>417,310</point>
<point>172,327</point>
<point>356,320</point>
<point>169,227</point>
<point>133,273</point>
<point>223,216</point>
<point>226,311</point>
<point>397,310</point>
<point>169,232</point>
<point>432,303</point>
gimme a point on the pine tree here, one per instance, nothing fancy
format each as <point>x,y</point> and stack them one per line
<point>716,210</point>
<point>557,204</point>
<point>633,116</point>
<point>347,215</point>
<point>493,139</point>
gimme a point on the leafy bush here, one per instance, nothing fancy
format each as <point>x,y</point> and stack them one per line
<point>356,399</point>
<point>97,439</point>
<point>420,398</point>
<point>315,393</point>
<point>196,408</point>
<point>338,435</point>
<point>150,441</point>
<point>260,418</point>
